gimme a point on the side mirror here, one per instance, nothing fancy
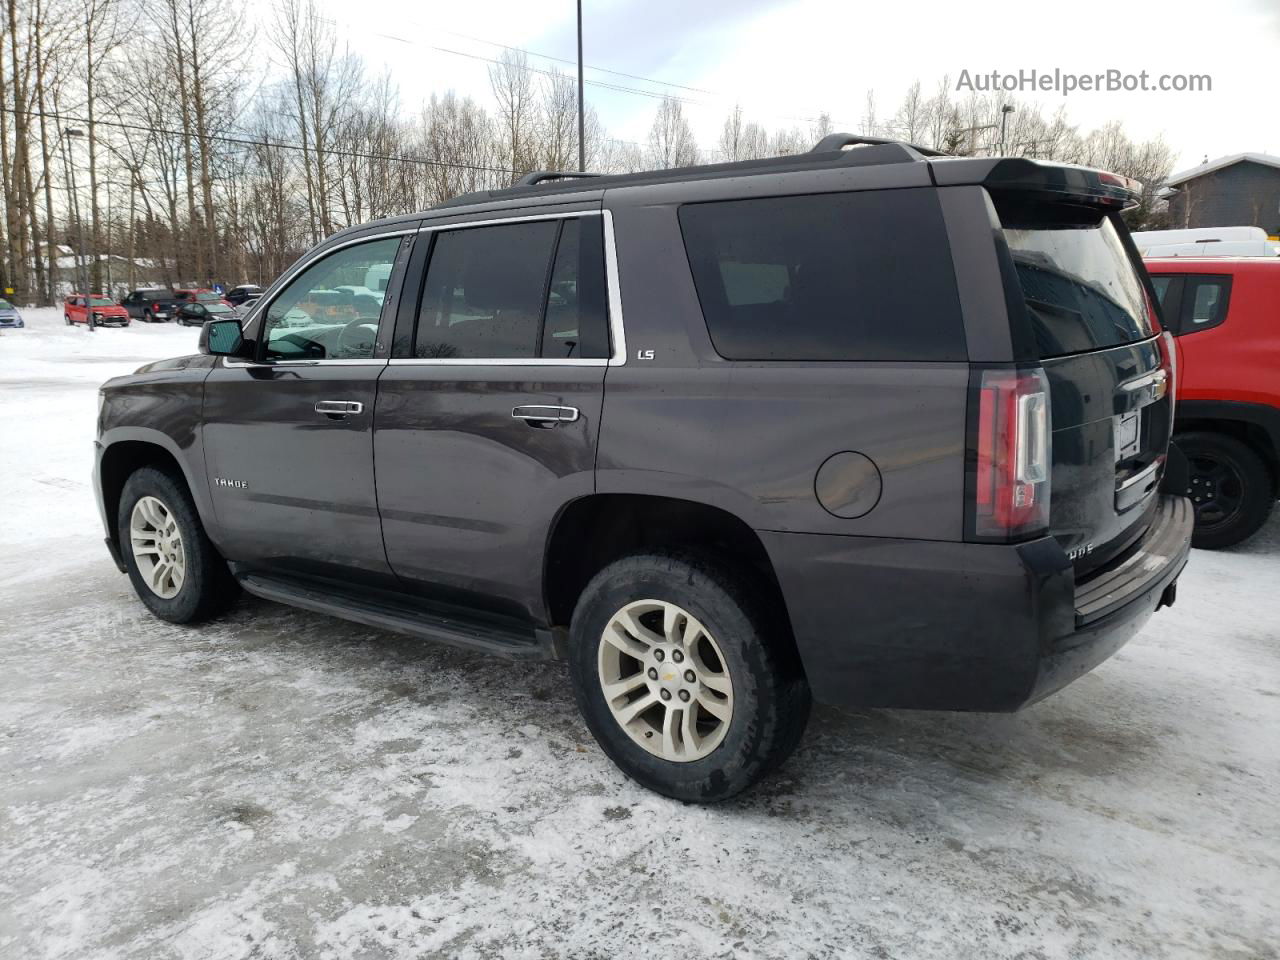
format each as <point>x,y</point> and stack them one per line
<point>222,338</point>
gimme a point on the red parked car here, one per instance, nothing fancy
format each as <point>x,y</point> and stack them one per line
<point>106,312</point>
<point>200,295</point>
<point>1224,314</point>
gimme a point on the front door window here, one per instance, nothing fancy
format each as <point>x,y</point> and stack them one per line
<point>331,310</point>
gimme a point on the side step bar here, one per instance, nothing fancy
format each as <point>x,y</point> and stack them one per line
<point>501,638</point>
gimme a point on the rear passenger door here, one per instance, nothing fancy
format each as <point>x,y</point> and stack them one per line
<point>489,411</point>
<point>1191,303</point>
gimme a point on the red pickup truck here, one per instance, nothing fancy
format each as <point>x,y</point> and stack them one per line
<point>1224,314</point>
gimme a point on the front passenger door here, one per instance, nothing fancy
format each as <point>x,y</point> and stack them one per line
<point>288,436</point>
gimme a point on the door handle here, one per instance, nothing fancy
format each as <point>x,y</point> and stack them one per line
<point>339,408</point>
<point>545,416</point>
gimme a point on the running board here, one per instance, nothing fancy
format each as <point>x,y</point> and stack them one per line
<point>498,637</point>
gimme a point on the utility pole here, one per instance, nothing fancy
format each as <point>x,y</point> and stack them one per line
<point>82,266</point>
<point>582,125</point>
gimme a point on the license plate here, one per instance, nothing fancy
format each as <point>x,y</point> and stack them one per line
<point>1128,432</point>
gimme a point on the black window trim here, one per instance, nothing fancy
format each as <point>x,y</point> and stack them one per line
<point>617,337</point>
<point>1171,306</point>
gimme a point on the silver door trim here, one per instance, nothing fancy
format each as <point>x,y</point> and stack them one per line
<point>497,221</point>
<point>619,331</point>
<point>614,299</point>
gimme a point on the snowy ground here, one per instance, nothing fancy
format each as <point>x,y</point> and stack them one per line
<point>280,784</point>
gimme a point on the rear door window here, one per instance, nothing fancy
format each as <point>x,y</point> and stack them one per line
<point>515,291</point>
<point>1081,289</point>
<point>1204,303</point>
<point>845,276</point>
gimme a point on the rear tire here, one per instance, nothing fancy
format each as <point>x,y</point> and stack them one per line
<point>67,319</point>
<point>1231,487</point>
<point>727,701</point>
<point>175,569</point>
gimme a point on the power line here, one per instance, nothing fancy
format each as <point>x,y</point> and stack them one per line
<point>602,84</point>
<point>253,142</point>
<point>548,56</point>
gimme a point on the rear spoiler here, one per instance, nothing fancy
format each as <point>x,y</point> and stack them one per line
<point>1056,181</point>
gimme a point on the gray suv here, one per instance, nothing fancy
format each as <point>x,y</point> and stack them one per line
<point>867,425</point>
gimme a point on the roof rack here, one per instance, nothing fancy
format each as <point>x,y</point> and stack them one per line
<point>838,141</point>
<point>538,176</point>
<point>827,152</point>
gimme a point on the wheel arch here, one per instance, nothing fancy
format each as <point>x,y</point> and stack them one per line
<point>122,456</point>
<point>1252,424</point>
<point>593,531</point>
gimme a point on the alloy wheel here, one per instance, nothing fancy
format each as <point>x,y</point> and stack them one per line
<point>157,547</point>
<point>665,680</point>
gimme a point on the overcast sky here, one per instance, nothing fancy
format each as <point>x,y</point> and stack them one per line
<point>786,61</point>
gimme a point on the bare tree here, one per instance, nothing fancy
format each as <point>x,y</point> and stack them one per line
<point>909,122</point>
<point>511,81</point>
<point>671,140</point>
<point>731,143</point>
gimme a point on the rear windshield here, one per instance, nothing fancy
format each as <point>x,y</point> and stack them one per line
<point>1081,288</point>
<point>843,276</point>
<point>207,296</point>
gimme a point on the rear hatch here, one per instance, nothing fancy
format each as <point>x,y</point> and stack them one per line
<point>1086,309</point>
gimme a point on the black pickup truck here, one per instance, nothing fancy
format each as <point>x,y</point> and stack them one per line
<point>866,425</point>
<point>151,304</point>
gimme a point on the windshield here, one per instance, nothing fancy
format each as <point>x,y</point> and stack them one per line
<point>5,305</point>
<point>1081,288</point>
<point>102,302</point>
<point>208,295</point>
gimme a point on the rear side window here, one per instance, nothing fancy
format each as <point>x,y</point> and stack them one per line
<point>1204,302</point>
<point>1081,289</point>
<point>515,291</point>
<point>846,276</point>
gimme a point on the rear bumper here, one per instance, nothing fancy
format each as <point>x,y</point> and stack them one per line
<point>962,626</point>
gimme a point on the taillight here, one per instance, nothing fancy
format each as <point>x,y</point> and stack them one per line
<point>1012,464</point>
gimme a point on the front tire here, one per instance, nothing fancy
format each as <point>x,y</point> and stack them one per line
<point>1231,488</point>
<point>683,677</point>
<point>175,569</point>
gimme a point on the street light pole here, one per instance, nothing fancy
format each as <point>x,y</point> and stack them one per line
<point>582,146</point>
<point>1004,116</point>
<point>82,268</point>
